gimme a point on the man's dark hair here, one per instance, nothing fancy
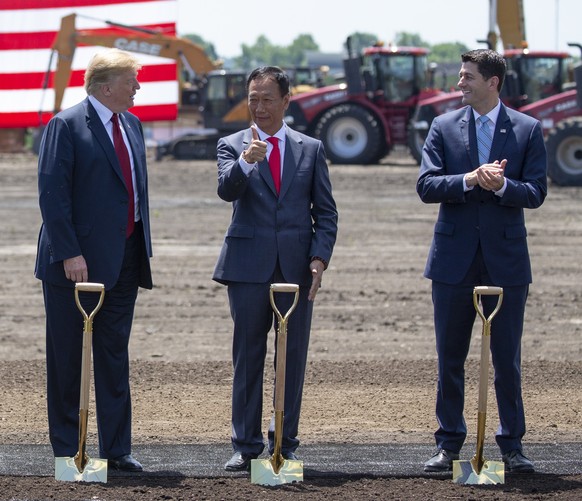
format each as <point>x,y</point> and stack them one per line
<point>273,72</point>
<point>489,64</point>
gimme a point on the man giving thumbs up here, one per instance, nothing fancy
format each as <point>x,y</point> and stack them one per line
<point>283,229</point>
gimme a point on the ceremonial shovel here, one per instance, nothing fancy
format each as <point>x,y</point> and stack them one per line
<point>478,470</point>
<point>278,470</point>
<point>82,468</point>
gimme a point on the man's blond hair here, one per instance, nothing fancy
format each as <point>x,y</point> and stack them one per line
<point>105,66</point>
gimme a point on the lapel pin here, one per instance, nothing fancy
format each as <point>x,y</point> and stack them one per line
<point>503,131</point>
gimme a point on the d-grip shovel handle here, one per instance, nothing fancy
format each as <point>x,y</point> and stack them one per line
<point>486,290</point>
<point>281,350</point>
<point>478,460</point>
<point>89,287</point>
<point>81,458</point>
<point>283,288</point>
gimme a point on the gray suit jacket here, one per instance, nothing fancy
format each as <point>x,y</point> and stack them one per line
<point>298,224</point>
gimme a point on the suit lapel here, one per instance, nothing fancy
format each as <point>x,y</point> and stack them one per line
<point>264,170</point>
<point>502,129</point>
<point>293,153</point>
<point>469,133</point>
<point>470,137</point>
<point>98,129</point>
<point>132,136</point>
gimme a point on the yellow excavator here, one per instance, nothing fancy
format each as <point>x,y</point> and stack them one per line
<point>219,95</point>
<point>510,19</point>
<point>191,58</point>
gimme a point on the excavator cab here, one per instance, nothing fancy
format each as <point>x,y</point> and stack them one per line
<point>224,101</point>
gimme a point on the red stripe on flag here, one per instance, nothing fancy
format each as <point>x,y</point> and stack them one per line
<point>150,73</point>
<point>49,4</point>
<point>156,112</point>
<point>18,120</point>
<point>45,39</point>
<point>34,119</point>
<point>19,41</point>
<point>17,81</point>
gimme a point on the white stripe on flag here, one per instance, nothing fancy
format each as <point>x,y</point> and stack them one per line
<point>22,101</point>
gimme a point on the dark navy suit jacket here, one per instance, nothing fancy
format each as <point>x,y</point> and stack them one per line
<point>83,198</point>
<point>479,217</point>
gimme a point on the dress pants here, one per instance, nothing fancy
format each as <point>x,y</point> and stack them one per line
<point>111,332</point>
<point>253,318</point>
<point>454,318</point>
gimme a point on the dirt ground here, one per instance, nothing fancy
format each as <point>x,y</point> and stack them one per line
<point>372,366</point>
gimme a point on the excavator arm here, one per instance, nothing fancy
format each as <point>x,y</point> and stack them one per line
<point>510,19</point>
<point>188,55</point>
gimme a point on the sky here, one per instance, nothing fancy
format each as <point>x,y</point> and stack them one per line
<point>549,24</point>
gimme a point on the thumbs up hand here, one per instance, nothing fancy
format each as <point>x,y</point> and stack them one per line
<point>257,150</point>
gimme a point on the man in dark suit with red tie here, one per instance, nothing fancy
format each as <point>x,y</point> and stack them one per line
<point>283,229</point>
<point>93,197</point>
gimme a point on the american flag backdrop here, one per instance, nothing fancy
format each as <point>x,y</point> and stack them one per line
<point>27,31</point>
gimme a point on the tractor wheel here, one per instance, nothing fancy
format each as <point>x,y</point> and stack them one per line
<point>418,131</point>
<point>416,138</point>
<point>564,147</point>
<point>192,147</point>
<point>350,135</point>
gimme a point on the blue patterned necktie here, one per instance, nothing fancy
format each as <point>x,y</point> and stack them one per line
<point>484,139</point>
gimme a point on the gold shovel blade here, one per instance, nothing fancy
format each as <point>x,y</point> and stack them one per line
<point>492,472</point>
<point>263,472</point>
<point>66,470</point>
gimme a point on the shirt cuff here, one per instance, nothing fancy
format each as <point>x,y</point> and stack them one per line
<point>246,167</point>
<point>501,190</point>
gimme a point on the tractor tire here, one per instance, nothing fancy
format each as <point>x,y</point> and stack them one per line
<point>416,138</point>
<point>418,131</point>
<point>192,147</point>
<point>350,135</point>
<point>564,148</point>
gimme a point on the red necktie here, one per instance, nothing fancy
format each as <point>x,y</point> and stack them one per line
<point>123,156</point>
<point>275,162</point>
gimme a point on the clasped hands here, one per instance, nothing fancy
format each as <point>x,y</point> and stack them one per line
<point>490,177</point>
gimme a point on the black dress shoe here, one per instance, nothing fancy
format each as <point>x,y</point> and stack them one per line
<point>125,463</point>
<point>442,460</point>
<point>240,461</point>
<point>290,456</point>
<point>516,462</point>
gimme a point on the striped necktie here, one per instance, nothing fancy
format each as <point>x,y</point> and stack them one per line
<point>484,139</point>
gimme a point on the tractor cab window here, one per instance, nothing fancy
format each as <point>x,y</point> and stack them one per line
<point>397,75</point>
<point>542,77</point>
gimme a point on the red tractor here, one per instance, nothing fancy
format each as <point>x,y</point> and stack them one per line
<point>360,121</point>
<point>540,84</point>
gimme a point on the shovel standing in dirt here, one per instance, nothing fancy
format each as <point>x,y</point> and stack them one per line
<point>82,468</point>
<point>277,470</point>
<point>478,470</point>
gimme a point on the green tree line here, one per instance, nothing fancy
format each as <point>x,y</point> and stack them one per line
<point>263,52</point>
